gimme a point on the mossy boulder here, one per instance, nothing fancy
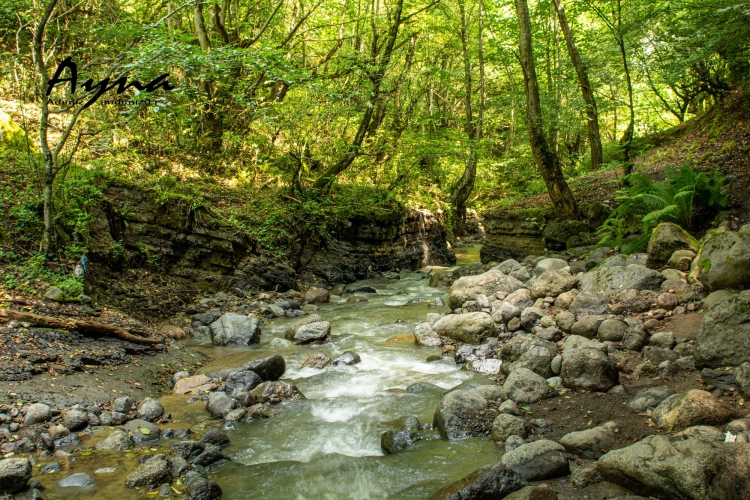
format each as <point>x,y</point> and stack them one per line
<point>666,239</point>
<point>723,262</point>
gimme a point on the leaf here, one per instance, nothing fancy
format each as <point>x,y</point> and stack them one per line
<point>144,431</point>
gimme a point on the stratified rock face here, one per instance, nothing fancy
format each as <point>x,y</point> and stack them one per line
<point>666,239</point>
<point>471,328</point>
<point>683,469</point>
<point>512,235</point>
<point>489,482</point>
<point>235,329</point>
<point>468,287</point>
<point>691,408</point>
<point>723,262</point>
<point>724,335</point>
<point>614,279</point>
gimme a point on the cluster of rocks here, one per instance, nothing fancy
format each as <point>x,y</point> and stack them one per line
<point>547,325</point>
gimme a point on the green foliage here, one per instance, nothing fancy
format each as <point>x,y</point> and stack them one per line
<point>645,203</point>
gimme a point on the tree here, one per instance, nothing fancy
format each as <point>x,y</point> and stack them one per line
<point>592,114</point>
<point>546,159</point>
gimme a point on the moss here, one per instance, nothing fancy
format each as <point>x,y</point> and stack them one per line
<point>704,266</point>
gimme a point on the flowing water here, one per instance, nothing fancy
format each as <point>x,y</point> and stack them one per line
<point>328,446</point>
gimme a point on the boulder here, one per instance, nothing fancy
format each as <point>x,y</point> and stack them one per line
<point>702,433</point>
<point>565,320</point>
<point>201,488</point>
<point>215,437</point>
<point>117,441</point>
<point>681,260</point>
<point>610,280</point>
<point>714,298</point>
<point>150,409</point>
<point>123,404</point>
<point>528,351</point>
<point>268,368</point>
<point>197,384</point>
<point>590,443</point>
<point>520,299</point>
<point>317,295</point>
<point>151,473</point>
<point>492,481</point>
<point>451,411</point>
<point>393,441</point>
<point>589,303</point>
<point>219,404</point>
<point>235,329</point>
<point>316,361</point>
<point>723,262</point>
<point>556,234</point>
<point>663,340</point>
<point>649,398</point>
<point>724,335</point>
<point>612,330</point>
<point>666,239</point>
<point>142,432</point>
<point>742,379</point>
<point>531,316</point>
<point>588,369</point>
<point>426,336</point>
<point>14,474</point>
<point>78,480</point>
<point>506,425</point>
<point>684,469</point>
<point>553,283</point>
<point>471,328</point>
<point>541,459</point>
<point>526,387</point>
<point>346,358</point>
<point>245,380</point>
<point>308,329</point>
<point>695,407</point>
<point>37,413</point>
<point>587,326</point>
<point>468,287</point>
<point>276,392</point>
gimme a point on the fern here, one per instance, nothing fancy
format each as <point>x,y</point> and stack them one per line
<point>644,204</point>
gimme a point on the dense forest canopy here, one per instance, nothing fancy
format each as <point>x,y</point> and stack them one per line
<point>424,102</point>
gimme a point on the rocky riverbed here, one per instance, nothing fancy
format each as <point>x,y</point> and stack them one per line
<point>581,374</point>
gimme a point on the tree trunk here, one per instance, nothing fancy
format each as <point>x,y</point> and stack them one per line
<point>546,160</point>
<point>592,114</point>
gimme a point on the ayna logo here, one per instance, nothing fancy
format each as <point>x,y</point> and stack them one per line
<point>103,86</point>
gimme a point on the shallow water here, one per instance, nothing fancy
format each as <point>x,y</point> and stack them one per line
<point>328,446</point>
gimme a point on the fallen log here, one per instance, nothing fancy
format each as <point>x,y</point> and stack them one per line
<point>79,325</point>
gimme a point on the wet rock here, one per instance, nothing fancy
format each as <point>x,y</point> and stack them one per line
<point>150,409</point>
<point>200,488</point>
<point>269,368</point>
<point>235,329</point>
<point>153,472</point>
<point>122,405</point>
<point>587,326</point>
<point>211,455</point>
<point>496,481</point>
<point>426,336</point>
<point>528,351</point>
<point>525,386</point>
<point>197,384</point>
<point>393,441</point>
<point>553,283</point>
<point>50,468</point>
<point>723,262</point>
<point>58,432</point>
<point>117,441</point>
<point>188,449</point>
<point>724,335</point>
<point>590,443</point>
<point>611,280</point>
<point>276,392</point>
<point>682,469</point>
<point>541,459</point>
<point>173,332</point>
<point>694,407</point>
<point>423,387</point>
<point>142,432</point>
<point>71,439</point>
<point>649,398</point>
<point>245,380</point>
<point>542,492</point>
<point>471,328</point>
<point>317,295</point>
<point>317,361</point>
<point>14,474</point>
<point>219,404</point>
<point>666,239</point>
<point>76,420</point>
<point>506,425</point>
<point>468,287</point>
<point>346,358</point>
<point>37,413</point>
<point>588,369</point>
<point>308,329</point>
<point>359,288</point>
<point>449,415</point>
<point>78,480</point>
